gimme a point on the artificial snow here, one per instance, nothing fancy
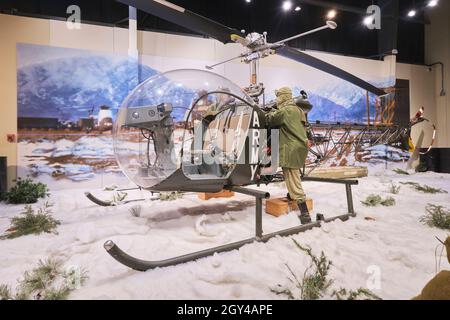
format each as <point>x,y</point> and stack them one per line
<point>392,253</point>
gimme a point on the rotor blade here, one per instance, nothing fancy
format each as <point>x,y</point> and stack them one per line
<point>185,18</point>
<point>294,54</point>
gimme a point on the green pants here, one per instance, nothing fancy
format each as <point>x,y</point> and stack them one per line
<point>294,184</point>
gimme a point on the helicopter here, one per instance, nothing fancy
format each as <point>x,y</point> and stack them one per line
<point>196,131</point>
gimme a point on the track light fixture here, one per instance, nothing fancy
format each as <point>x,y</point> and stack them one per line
<point>412,13</point>
<point>287,5</point>
<point>332,14</point>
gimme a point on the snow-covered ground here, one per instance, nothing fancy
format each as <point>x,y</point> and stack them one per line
<point>393,244</point>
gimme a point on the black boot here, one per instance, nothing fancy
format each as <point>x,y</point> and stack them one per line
<point>305,218</point>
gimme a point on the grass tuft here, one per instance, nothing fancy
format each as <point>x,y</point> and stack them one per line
<point>48,281</point>
<point>170,196</point>
<point>388,202</point>
<point>424,188</point>
<point>136,211</point>
<point>394,189</point>
<point>400,171</point>
<point>436,216</point>
<point>374,200</point>
<point>5,292</point>
<point>359,294</point>
<point>30,222</point>
<point>315,282</point>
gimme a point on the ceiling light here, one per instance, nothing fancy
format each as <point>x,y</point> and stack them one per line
<point>412,13</point>
<point>287,5</point>
<point>331,14</point>
<point>248,1</point>
<point>433,3</point>
<point>368,20</point>
<point>298,8</point>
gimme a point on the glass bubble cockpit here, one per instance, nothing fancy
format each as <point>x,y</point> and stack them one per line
<point>192,123</point>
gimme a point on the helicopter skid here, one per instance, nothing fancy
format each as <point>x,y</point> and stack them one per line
<point>104,203</point>
<point>142,265</point>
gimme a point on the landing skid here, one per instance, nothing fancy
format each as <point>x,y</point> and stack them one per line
<point>142,265</point>
<point>104,203</point>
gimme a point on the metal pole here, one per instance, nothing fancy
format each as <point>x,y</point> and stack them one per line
<point>348,191</point>
<point>329,25</point>
<point>223,62</point>
<point>249,192</point>
<point>259,196</point>
<point>368,108</point>
<point>258,220</point>
<point>132,33</point>
<point>254,72</point>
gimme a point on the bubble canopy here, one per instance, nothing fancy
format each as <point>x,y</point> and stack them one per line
<point>155,133</point>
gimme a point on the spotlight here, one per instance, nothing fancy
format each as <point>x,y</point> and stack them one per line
<point>331,14</point>
<point>287,5</point>
<point>298,8</point>
<point>248,1</point>
<point>433,3</point>
<point>368,20</point>
<point>412,13</point>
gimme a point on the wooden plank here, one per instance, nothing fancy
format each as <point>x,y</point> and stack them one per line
<point>281,206</point>
<point>222,194</point>
<point>340,172</point>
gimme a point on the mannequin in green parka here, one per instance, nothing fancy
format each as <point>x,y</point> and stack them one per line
<point>291,121</point>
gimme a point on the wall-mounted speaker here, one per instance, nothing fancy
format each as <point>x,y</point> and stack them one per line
<point>3,173</point>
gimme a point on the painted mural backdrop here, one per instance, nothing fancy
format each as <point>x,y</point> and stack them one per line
<point>68,99</point>
<point>63,94</point>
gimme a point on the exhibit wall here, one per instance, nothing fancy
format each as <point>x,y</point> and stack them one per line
<point>52,72</point>
<point>437,49</point>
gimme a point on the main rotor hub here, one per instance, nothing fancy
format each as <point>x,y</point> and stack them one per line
<point>256,40</point>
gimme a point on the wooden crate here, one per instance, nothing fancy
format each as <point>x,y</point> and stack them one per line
<point>340,172</point>
<point>281,206</point>
<point>221,194</point>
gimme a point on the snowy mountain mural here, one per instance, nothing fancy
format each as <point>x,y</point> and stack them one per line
<point>337,100</point>
<point>68,84</point>
<point>69,87</point>
<point>342,101</point>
